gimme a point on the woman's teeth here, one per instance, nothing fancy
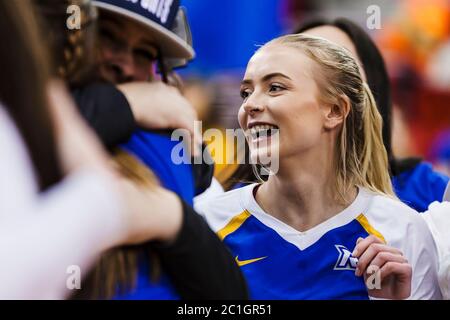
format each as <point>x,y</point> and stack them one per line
<point>259,131</point>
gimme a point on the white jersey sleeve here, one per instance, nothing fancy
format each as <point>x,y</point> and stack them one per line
<point>404,229</point>
<point>219,211</point>
<point>214,190</point>
<point>41,235</point>
<point>438,220</point>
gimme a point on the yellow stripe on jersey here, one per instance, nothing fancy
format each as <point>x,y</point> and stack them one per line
<point>370,230</point>
<point>234,224</point>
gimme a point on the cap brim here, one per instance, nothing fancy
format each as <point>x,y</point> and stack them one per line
<point>171,45</point>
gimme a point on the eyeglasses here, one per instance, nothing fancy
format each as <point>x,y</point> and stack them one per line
<point>144,56</point>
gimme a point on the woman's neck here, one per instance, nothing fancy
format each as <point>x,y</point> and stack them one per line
<point>302,194</point>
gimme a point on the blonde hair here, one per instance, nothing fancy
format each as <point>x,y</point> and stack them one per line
<point>361,158</point>
<point>116,271</point>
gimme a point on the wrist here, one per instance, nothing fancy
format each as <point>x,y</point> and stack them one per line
<point>126,90</point>
<point>171,216</point>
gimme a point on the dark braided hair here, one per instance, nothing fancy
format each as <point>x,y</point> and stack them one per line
<point>73,49</point>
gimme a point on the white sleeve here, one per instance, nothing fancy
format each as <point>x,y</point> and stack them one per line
<point>403,228</point>
<point>18,187</point>
<point>213,191</point>
<point>69,227</point>
<point>421,252</point>
<point>438,220</point>
<point>42,235</point>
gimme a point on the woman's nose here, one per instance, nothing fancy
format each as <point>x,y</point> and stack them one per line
<point>127,65</point>
<point>252,106</point>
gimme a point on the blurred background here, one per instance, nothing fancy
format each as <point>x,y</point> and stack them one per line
<point>414,38</point>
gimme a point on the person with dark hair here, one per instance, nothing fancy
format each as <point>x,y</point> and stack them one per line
<point>197,264</point>
<point>57,189</point>
<point>415,182</point>
<point>105,105</point>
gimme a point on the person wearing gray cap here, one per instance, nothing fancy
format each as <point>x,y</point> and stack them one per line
<point>197,263</point>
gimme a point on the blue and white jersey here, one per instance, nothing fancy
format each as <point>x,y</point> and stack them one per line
<point>280,262</point>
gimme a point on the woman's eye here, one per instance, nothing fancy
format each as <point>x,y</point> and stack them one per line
<point>109,40</point>
<point>275,88</point>
<point>146,55</point>
<point>245,93</point>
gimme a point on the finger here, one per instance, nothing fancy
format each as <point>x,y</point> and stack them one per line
<point>370,253</point>
<point>190,145</point>
<point>175,81</point>
<point>195,137</point>
<point>196,131</point>
<point>198,140</point>
<point>363,244</point>
<point>383,257</point>
<point>402,270</point>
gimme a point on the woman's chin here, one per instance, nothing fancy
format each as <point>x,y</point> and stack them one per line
<point>264,155</point>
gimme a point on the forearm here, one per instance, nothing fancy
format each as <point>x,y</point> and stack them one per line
<point>200,266</point>
<point>107,111</point>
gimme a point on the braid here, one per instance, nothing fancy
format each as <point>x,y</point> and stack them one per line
<point>74,49</point>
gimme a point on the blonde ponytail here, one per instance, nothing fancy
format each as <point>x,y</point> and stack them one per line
<point>117,270</point>
<point>374,159</point>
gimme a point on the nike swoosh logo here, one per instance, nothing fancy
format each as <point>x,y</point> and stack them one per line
<point>245,262</point>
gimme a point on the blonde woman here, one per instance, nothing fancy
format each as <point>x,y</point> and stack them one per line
<point>326,224</point>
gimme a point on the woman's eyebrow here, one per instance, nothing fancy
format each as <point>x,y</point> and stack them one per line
<point>266,78</point>
<point>113,20</point>
<point>148,44</point>
<point>269,76</point>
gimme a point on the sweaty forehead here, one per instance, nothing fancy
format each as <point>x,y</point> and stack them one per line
<point>278,59</point>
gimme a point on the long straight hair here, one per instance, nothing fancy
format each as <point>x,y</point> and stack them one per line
<point>23,79</point>
<point>360,155</point>
<point>374,68</point>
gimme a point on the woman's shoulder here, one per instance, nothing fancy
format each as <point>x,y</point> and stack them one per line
<point>390,204</point>
<point>223,207</point>
<point>394,218</point>
<point>403,228</point>
<point>225,200</point>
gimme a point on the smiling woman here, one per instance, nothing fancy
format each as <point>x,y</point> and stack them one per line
<point>330,203</point>
<point>127,50</point>
<point>300,100</point>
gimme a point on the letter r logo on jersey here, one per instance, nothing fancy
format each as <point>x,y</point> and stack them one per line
<point>345,260</point>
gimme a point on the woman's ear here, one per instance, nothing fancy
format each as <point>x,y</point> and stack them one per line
<point>337,113</point>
